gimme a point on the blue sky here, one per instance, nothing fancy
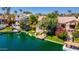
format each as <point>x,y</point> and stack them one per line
<point>44,10</point>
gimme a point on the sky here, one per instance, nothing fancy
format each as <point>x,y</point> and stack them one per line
<point>44,10</point>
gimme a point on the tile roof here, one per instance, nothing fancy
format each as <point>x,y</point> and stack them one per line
<point>67,19</point>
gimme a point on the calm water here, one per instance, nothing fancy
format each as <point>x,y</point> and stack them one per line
<point>23,42</point>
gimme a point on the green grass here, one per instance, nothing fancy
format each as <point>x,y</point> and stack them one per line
<point>54,39</point>
<point>31,31</point>
<point>7,29</point>
<point>76,39</point>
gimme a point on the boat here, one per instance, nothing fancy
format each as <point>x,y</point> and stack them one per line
<point>68,49</point>
<point>15,31</point>
<point>71,46</point>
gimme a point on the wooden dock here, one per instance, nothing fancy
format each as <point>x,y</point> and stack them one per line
<point>72,44</point>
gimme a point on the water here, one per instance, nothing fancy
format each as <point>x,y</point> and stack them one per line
<point>23,42</point>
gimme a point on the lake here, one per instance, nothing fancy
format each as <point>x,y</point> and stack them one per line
<point>23,42</point>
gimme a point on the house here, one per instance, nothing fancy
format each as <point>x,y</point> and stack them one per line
<point>66,23</point>
<point>22,16</point>
<point>2,20</point>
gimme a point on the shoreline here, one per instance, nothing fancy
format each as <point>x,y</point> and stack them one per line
<point>44,39</point>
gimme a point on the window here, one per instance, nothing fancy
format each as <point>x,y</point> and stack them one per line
<point>72,26</point>
<point>63,25</point>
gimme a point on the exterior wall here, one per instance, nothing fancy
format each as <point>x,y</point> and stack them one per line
<point>22,17</point>
<point>59,30</point>
<point>38,30</point>
<point>67,28</point>
<point>70,30</point>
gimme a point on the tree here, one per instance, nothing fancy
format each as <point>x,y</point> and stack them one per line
<point>7,14</point>
<point>75,34</point>
<point>33,21</point>
<point>15,12</point>
<point>43,24</point>
<point>11,19</point>
<point>20,10</point>
<point>7,9</point>
<point>56,12</point>
<point>49,23</point>
<point>69,11</point>
<point>52,17</point>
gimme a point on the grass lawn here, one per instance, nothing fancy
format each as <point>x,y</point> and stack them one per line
<point>31,31</point>
<point>7,29</point>
<point>76,40</point>
<point>54,39</point>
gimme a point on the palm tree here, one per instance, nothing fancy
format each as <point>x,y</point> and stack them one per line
<point>20,10</point>
<point>56,12</point>
<point>24,12</point>
<point>3,8</point>
<point>15,12</point>
<point>69,11</point>
<point>7,14</point>
<point>7,9</point>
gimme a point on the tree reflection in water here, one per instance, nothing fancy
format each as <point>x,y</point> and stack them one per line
<point>23,36</point>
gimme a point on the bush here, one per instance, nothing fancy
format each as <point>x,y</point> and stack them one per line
<point>63,35</point>
<point>26,27</point>
<point>76,34</point>
<point>51,31</point>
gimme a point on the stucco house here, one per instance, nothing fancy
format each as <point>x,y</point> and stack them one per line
<point>67,23</point>
<point>22,16</point>
<point>2,19</point>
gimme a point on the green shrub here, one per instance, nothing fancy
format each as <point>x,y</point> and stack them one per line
<point>76,33</point>
<point>63,35</point>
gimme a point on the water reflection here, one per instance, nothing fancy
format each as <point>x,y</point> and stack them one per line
<point>23,36</point>
<point>22,41</point>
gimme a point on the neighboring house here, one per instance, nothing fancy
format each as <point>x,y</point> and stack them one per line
<point>66,23</point>
<point>5,18</point>
<point>2,20</point>
<point>17,18</point>
<point>22,17</point>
